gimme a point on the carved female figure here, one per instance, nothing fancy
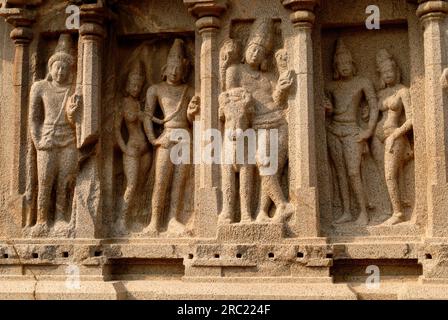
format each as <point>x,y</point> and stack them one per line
<point>390,144</point>
<point>268,93</point>
<point>136,152</point>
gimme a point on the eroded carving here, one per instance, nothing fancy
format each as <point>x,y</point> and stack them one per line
<point>268,92</point>
<point>390,145</point>
<point>347,140</point>
<point>179,106</point>
<point>236,110</point>
<point>137,156</point>
<point>53,107</point>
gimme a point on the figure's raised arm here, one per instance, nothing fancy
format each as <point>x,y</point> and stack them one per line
<point>150,108</point>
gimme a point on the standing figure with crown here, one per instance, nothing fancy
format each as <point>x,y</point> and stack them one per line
<point>52,122</point>
<point>179,107</point>
<point>390,145</point>
<point>269,94</point>
<point>136,150</point>
<point>346,139</point>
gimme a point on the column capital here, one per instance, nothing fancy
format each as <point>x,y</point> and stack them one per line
<point>22,20</point>
<point>207,13</point>
<point>18,17</point>
<point>432,9</point>
<point>92,19</point>
<point>302,11</point>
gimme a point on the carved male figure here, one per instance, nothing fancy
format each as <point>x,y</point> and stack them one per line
<point>390,146</point>
<point>136,151</point>
<point>346,139</point>
<point>268,93</point>
<point>236,109</point>
<point>52,126</point>
<point>179,107</point>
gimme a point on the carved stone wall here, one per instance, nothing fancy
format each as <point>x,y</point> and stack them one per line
<point>121,143</point>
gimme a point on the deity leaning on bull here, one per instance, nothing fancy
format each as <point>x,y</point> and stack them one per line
<point>268,94</point>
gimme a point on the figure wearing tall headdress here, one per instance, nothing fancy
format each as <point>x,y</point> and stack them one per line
<point>346,139</point>
<point>179,107</point>
<point>391,148</point>
<point>268,92</point>
<point>53,133</point>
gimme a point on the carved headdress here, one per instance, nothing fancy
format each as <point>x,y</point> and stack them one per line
<point>177,52</point>
<point>137,69</point>
<point>177,55</point>
<point>63,51</point>
<point>385,60</point>
<point>262,34</point>
<point>341,50</point>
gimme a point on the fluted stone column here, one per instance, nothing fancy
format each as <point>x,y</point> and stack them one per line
<point>207,14</point>
<point>302,131</point>
<point>432,15</point>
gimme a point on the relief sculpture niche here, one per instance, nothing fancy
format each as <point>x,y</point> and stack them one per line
<point>370,141</point>
<point>253,76</point>
<point>54,158</point>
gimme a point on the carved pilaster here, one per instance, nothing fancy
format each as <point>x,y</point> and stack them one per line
<point>88,188</point>
<point>208,22</point>
<point>302,149</point>
<point>21,35</point>
<point>92,34</point>
<point>432,15</point>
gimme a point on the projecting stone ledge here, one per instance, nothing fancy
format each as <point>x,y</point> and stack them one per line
<point>251,232</point>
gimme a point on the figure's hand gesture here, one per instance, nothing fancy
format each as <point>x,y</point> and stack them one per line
<point>390,141</point>
<point>75,104</point>
<point>194,107</point>
<point>364,135</point>
<point>163,141</point>
<point>285,81</point>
